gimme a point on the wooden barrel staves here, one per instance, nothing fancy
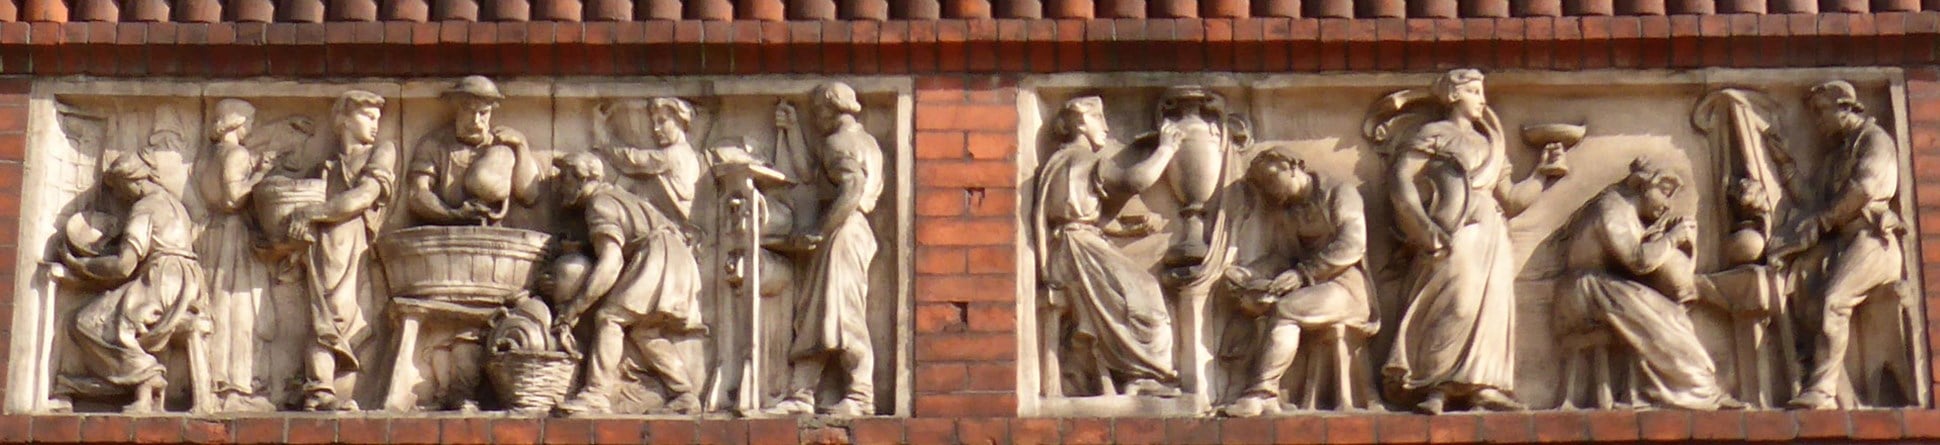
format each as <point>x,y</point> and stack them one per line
<point>461,264</point>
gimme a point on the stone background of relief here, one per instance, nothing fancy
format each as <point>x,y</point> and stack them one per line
<point>73,124</point>
<point>1628,115</point>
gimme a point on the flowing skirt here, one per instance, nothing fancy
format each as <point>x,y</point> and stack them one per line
<point>1114,304</point>
<point>832,312</point>
<point>1678,371</point>
<point>1460,326</point>
<point>119,332</point>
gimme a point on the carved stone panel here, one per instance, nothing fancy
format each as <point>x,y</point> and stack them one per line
<point>1466,241</point>
<point>475,244</point>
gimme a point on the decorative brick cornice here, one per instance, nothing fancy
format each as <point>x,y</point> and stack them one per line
<point>344,49</point>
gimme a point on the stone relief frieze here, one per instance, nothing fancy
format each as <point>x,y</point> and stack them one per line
<point>1258,246</point>
<point>544,248</point>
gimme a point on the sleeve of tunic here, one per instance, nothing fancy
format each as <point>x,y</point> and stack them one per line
<point>1622,238</point>
<point>379,170</point>
<point>605,220</point>
<point>639,161</point>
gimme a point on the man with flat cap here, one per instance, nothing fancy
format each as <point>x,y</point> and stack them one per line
<point>1861,230</point>
<point>468,174</point>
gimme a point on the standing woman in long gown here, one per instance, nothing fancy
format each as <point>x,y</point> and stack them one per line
<point>1453,200</point>
<point>238,279</point>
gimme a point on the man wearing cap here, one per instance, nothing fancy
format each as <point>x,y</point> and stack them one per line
<point>831,312</point>
<point>1864,244</point>
<point>444,189</point>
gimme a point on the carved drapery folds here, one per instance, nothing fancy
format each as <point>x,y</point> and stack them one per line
<point>547,249</point>
<point>1521,265</point>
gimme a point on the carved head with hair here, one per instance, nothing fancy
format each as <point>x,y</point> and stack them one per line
<point>1083,117</point>
<point>1653,186</point>
<point>580,174</point>
<point>232,116</point>
<point>131,176</point>
<point>355,116</point>
<point>474,98</point>
<point>671,119</point>
<point>833,101</point>
<point>1836,106</point>
<point>1281,176</point>
<point>1461,90</point>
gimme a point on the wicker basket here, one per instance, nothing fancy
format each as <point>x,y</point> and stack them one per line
<point>531,380</point>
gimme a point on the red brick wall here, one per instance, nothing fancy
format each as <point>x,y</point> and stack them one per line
<point>965,185</point>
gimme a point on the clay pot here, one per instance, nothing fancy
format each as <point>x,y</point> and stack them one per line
<point>1744,246</point>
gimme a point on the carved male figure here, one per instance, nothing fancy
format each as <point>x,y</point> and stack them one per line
<point>670,168</point>
<point>157,294</point>
<point>359,180</point>
<point>1630,270</point>
<point>1303,240</point>
<point>1858,226</point>
<point>1117,324</point>
<point>471,173</point>
<point>1453,198</point>
<point>831,311</point>
<point>238,279</point>
<point>643,287</point>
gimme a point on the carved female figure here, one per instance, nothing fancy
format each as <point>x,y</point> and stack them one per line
<point>1117,324</point>
<point>1453,198</point>
<point>649,143</point>
<point>157,295</point>
<point>1629,268</point>
<point>238,278</point>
